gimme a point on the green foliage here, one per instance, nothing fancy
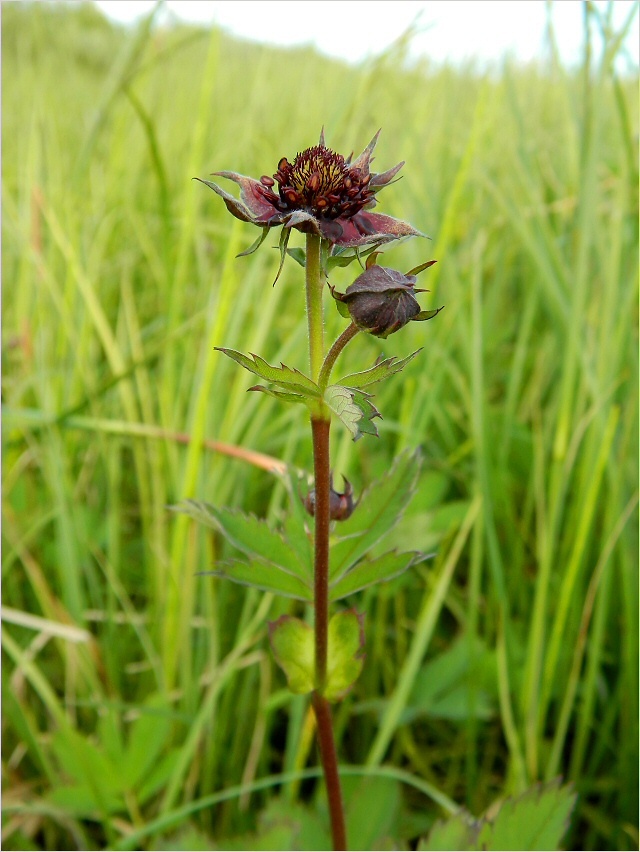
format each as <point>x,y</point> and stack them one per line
<point>122,278</point>
<point>382,369</point>
<point>352,405</point>
<point>536,820</point>
<point>250,535</point>
<point>105,780</point>
<point>370,571</point>
<point>285,377</point>
<point>372,812</point>
<point>282,562</point>
<point>354,409</point>
<point>379,509</point>
<point>345,655</point>
<point>292,646</point>
<point>292,642</point>
<point>458,684</point>
<point>274,565</point>
<point>262,575</point>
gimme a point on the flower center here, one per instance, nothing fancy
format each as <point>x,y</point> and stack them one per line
<point>320,182</point>
<point>317,171</point>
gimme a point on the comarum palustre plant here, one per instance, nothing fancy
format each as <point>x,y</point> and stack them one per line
<point>330,199</point>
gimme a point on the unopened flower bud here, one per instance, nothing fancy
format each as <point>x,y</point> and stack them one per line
<point>381,301</point>
<point>341,506</point>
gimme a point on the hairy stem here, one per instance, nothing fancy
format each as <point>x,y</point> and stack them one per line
<point>315,318</point>
<point>325,373</point>
<point>320,429</point>
<point>330,767</point>
<point>320,426</point>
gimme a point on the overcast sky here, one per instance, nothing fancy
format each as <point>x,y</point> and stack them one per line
<point>452,30</point>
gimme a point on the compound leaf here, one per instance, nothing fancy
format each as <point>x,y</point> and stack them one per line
<point>353,408</point>
<point>368,572</point>
<point>381,370</point>
<point>278,394</point>
<point>536,820</point>
<point>249,534</point>
<point>286,377</point>
<point>458,832</point>
<point>379,509</point>
<point>263,575</point>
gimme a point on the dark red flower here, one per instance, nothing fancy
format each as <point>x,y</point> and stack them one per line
<point>321,193</point>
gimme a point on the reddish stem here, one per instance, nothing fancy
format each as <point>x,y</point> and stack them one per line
<point>322,485</point>
<point>330,767</point>
<point>320,429</point>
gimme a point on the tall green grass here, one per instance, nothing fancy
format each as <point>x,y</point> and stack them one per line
<point>142,694</point>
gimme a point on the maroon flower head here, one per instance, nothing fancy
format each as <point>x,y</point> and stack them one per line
<point>320,193</point>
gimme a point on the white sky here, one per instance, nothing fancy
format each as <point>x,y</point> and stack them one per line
<point>452,30</point>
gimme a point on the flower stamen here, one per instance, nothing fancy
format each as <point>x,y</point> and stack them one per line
<point>320,181</point>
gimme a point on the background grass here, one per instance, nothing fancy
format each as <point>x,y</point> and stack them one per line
<point>137,694</point>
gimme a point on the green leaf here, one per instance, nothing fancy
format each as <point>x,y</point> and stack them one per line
<point>78,800</point>
<point>368,572</point>
<point>296,523</point>
<point>283,395</point>
<point>147,740</point>
<point>283,824</point>
<point>99,785</point>
<point>379,509</point>
<point>263,575</point>
<point>380,370</point>
<point>292,643</point>
<point>459,832</point>
<point>459,684</point>
<point>372,811</point>
<point>291,380</point>
<point>249,534</point>
<point>353,408</point>
<point>159,776</point>
<point>536,820</point>
<point>345,654</point>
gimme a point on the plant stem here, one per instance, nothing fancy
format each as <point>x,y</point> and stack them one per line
<point>330,767</point>
<point>314,281</point>
<point>322,484</point>
<point>325,373</point>
<point>320,426</point>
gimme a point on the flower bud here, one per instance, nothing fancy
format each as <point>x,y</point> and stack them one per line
<point>341,506</point>
<point>381,301</point>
